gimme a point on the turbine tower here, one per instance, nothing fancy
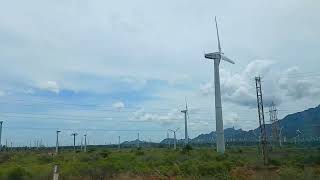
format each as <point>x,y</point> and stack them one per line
<point>85,143</point>
<point>175,138</point>
<point>138,141</point>
<point>119,144</point>
<point>186,137</point>
<point>217,57</point>
<point>74,140</point>
<point>57,142</point>
<point>0,135</point>
<point>168,138</point>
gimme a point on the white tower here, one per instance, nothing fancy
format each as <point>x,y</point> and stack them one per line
<point>217,57</point>
<point>186,137</point>
<point>57,142</point>
<point>175,138</point>
<point>1,134</point>
<point>85,143</point>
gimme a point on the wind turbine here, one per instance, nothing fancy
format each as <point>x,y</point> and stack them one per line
<point>74,141</point>
<point>57,141</point>
<point>0,134</point>
<point>186,114</point>
<point>85,143</point>
<point>168,139</point>
<point>217,57</point>
<point>175,138</point>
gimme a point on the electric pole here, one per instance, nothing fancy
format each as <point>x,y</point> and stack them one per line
<point>261,120</point>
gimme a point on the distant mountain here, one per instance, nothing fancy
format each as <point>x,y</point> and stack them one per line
<point>307,121</point>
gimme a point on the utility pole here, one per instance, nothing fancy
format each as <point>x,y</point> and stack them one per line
<point>261,120</point>
<point>57,142</point>
<point>0,135</point>
<point>275,125</point>
<point>185,112</point>
<point>74,141</point>
<point>85,143</point>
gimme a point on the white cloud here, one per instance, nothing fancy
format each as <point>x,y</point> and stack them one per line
<point>118,105</point>
<point>162,118</point>
<point>297,85</point>
<point>51,86</point>
<point>239,88</point>
<point>2,93</point>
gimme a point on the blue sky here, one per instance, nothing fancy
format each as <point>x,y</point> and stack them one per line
<point>111,68</point>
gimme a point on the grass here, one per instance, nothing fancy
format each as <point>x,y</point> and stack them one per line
<point>162,163</point>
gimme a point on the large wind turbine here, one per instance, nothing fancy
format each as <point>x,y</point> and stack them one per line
<point>185,111</point>
<point>217,57</point>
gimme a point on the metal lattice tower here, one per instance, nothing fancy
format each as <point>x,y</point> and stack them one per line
<point>263,132</point>
<point>275,125</point>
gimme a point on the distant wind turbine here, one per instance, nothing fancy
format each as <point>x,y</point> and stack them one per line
<point>186,116</point>
<point>175,138</point>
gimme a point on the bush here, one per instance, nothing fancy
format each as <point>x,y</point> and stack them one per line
<point>4,157</point>
<point>274,162</point>
<point>139,152</point>
<point>17,173</point>
<point>290,173</point>
<point>104,153</point>
<point>212,169</point>
<point>44,159</point>
<point>222,157</point>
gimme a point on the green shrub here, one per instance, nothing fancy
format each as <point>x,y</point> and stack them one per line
<point>290,173</point>
<point>222,157</point>
<point>139,152</point>
<point>212,169</point>
<point>104,153</point>
<point>4,157</point>
<point>274,162</point>
<point>17,173</point>
<point>44,158</point>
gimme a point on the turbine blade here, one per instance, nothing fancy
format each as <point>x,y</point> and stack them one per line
<point>226,59</point>
<point>186,103</point>
<point>219,46</point>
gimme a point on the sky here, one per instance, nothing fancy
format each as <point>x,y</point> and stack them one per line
<point>118,68</point>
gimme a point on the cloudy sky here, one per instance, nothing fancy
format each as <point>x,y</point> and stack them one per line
<point>110,68</point>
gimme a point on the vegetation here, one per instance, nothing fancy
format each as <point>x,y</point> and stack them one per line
<point>162,163</point>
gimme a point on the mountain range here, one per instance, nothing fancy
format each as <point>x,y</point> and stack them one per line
<point>307,122</point>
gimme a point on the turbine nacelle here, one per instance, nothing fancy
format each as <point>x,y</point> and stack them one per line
<point>218,56</point>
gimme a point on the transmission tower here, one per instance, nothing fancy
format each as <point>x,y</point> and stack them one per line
<point>261,120</point>
<point>275,125</point>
